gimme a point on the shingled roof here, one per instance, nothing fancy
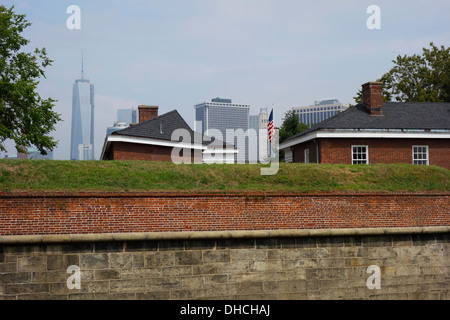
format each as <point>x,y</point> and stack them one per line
<point>396,116</point>
<point>162,127</point>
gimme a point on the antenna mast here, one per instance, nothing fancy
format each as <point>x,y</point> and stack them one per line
<point>82,65</point>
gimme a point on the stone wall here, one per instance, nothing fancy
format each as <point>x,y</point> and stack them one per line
<point>414,264</point>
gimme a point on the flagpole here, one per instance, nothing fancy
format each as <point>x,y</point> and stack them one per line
<point>270,131</point>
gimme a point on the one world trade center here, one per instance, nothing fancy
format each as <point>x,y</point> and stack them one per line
<point>82,138</point>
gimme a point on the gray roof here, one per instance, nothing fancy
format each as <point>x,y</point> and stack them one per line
<point>161,128</point>
<point>396,115</point>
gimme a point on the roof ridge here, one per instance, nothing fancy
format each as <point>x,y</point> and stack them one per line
<point>146,122</point>
<point>321,124</point>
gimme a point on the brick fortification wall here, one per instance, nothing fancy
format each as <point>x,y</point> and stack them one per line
<point>253,246</point>
<point>107,213</point>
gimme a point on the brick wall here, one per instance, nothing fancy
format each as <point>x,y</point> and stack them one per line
<point>338,151</point>
<point>412,267</point>
<point>299,151</point>
<point>73,213</point>
<point>143,152</point>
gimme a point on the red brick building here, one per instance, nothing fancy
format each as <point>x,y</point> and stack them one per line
<point>377,132</point>
<point>153,139</point>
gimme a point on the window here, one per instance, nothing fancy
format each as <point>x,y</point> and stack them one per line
<point>306,154</point>
<point>360,155</point>
<point>420,155</point>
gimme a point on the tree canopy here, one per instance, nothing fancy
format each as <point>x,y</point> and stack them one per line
<point>290,126</point>
<point>25,117</point>
<point>418,78</point>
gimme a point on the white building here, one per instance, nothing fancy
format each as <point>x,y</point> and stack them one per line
<point>320,111</point>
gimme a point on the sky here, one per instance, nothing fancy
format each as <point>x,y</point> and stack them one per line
<point>275,54</point>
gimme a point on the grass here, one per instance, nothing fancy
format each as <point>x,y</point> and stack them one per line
<point>48,175</point>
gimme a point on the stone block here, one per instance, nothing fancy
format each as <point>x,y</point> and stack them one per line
<point>32,263</point>
<point>251,287</point>
<point>211,256</point>
<point>106,274</point>
<point>49,276</point>
<point>127,286</point>
<point>94,261</point>
<point>8,267</point>
<point>248,254</point>
<point>188,257</point>
<point>153,295</point>
<point>176,271</point>
<point>25,288</point>
<point>265,266</point>
<point>15,277</point>
<point>120,260</point>
<point>158,259</point>
<point>62,261</point>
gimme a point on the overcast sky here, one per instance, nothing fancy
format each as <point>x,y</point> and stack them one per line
<point>177,53</point>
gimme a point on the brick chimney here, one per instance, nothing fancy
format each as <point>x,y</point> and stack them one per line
<point>372,97</point>
<point>147,112</point>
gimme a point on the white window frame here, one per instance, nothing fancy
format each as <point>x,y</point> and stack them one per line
<point>367,154</point>
<point>306,155</point>
<point>427,159</point>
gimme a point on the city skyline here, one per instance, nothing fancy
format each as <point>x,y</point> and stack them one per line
<point>262,53</point>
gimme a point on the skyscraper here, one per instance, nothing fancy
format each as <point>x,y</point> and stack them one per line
<point>320,111</point>
<point>222,114</point>
<point>259,124</point>
<point>127,115</point>
<point>82,138</point>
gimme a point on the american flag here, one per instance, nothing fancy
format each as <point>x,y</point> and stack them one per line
<point>270,127</point>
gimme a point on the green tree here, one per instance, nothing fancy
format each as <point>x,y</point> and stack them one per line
<point>418,78</point>
<point>290,126</point>
<point>25,117</point>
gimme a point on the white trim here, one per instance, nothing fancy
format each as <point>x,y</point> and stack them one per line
<point>147,141</point>
<point>360,146</point>
<point>364,134</point>
<point>427,154</point>
<point>164,143</point>
<point>306,155</point>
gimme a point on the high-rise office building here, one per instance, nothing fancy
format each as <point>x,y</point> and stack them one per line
<point>222,114</point>
<point>263,135</point>
<point>82,138</point>
<point>259,122</point>
<point>127,116</point>
<point>320,111</point>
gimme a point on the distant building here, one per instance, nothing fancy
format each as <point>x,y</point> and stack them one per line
<point>259,124</point>
<point>127,116</point>
<point>320,111</point>
<point>222,114</point>
<point>117,126</point>
<point>33,154</point>
<point>82,136</point>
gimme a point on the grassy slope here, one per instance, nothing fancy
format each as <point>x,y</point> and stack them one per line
<point>20,175</point>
